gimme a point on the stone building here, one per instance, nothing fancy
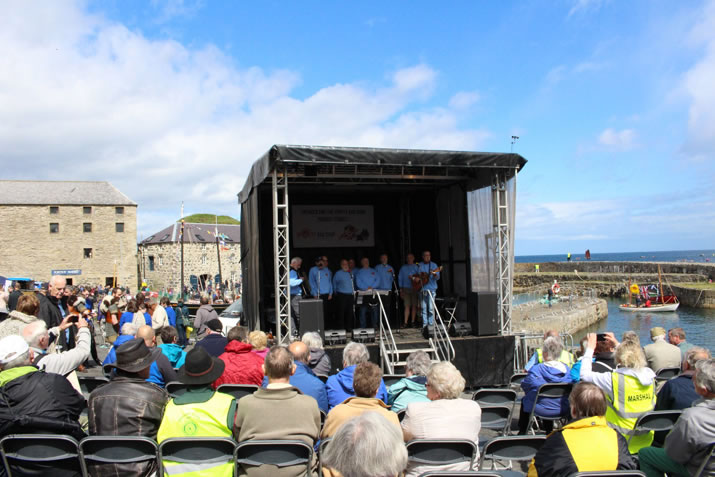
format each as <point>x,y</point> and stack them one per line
<point>85,231</point>
<point>160,256</point>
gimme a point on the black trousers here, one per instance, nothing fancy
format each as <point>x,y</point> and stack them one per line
<point>327,308</point>
<point>344,306</point>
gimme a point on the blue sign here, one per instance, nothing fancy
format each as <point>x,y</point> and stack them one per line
<point>72,271</point>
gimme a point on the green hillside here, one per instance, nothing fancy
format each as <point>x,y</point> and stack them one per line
<point>210,219</point>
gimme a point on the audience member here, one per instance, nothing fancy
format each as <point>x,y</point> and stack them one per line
<point>50,306</point>
<point>15,295</point>
<point>445,416</point>
<point>366,382</point>
<point>689,443</point>
<point>278,411</point>
<point>207,413</point>
<point>603,359</point>
<point>679,392</point>
<point>128,331</point>
<point>170,348</point>
<point>242,366</point>
<point>629,389</point>
<point>549,371</point>
<point>159,318</point>
<point>259,341</point>
<point>631,336</point>
<point>214,342</point>
<point>303,378</point>
<point>128,405</point>
<point>365,446</point>
<point>661,354</point>
<point>204,314</point>
<point>413,387</point>
<point>319,359</point>
<point>128,315</point>
<point>33,401</point>
<point>182,321</point>
<point>585,444</point>
<point>170,313</point>
<point>24,313</point>
<point>676,336</point>
<point>536,358</point>
<point>340,386</point>
<point>141,317</point>
<point>161,371</point>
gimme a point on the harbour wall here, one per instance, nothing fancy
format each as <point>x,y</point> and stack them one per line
<point>695,298</point>
<point>565,317</point>
<point>706,270</point>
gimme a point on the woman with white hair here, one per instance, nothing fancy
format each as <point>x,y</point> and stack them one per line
<point>413,387</point>
<point>444,416</point>
<point>319,360</point>
<point>365,446</point>
<point>550,371</point>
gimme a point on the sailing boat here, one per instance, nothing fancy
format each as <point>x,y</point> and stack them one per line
<point>667,303</point>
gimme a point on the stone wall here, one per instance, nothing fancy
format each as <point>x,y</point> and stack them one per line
<point>30,250</point>
<point>695,298</point>
<point>537,318</point>
<point>706,270</point>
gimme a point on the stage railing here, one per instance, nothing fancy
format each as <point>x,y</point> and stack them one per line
<point>526,343</point>
<point>441,342</point>
<point>388,347</point>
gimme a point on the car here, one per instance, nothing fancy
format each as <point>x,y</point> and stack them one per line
<point>231,316</point>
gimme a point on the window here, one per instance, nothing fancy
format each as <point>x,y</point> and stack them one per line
<point>151,263</point>
<point>86,210</point>
<point>203,259</point>
<point>119,210</point>
<point>161,260</point>
<point>87,253</point>
<point>54,210</point>
<point>119,227</point>
<point>87,227</point>
<point>54,228</point>
<point>164,238</point>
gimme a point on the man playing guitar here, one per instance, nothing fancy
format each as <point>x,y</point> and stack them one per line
<point>430,270</point>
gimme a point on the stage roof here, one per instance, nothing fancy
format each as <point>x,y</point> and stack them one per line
<point>317,164</point>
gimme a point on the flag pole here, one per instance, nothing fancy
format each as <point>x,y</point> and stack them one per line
<point>218,254</point>
<point>181,293</point>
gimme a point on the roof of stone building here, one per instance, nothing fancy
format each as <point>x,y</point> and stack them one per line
<point>61,193</point>
<point>195,233</point>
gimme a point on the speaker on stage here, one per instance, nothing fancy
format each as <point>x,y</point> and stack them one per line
<point>311,316</point>
<point>482,313</point>
<point>460,328</point>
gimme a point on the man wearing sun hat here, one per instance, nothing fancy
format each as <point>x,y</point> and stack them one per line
<point>661,354</point>
<point>199,412</point>
<point>128,405</point>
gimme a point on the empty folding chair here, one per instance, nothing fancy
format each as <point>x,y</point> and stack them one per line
<point>41,454</point>
<point>117,455</point>
<point>497,418</point>
<point>175,388</point>
<point>495,397</point>
<point>89,383</point>
<point>516,379</point>
<point>391,379</point>
<point>655,421</point>
<point>208,454</point>
<point>548,391</point>
<point>281,453</point>
<point>665,374</point>
<point>237,390</point>
<point>441,451</point>
<point>509,449</point>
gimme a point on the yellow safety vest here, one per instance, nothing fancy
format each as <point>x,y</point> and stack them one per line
<point>566,357</point>
<point>206,419</point>
<point>629,401</point>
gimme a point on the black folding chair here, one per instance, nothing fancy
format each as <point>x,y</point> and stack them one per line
<point>656,421</point>
<point>702,470</point>
<point>281,453</point>
<point>321,452</point>
<point>323,377</point>
<point>516,379</point>
<point>401,414</point>
<point>98,451</point>
<point>441,451</point>
<point>323,417</point>
<point>609,473</point>
<point>205,452</point>
<point>497,418</point>
<point>237,390</point>
<point>495,397</point>
<point>455,473</point>
<point>40,454</point>
<point>175,388</point>
<point>548,391</point>
<point>89,383</point>
<point>391,379</point>
<point>510,448</point>
<point>665,374</point>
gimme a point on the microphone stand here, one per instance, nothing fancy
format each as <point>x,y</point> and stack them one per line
<point>352,286</point>
<point>396,297</point>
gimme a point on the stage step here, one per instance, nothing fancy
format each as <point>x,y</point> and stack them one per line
<point>404,363</point>
<point>412,350</point>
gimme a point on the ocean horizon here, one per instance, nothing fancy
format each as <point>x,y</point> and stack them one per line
<point>683,256</point>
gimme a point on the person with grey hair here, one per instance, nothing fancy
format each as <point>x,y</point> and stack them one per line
<point>340,386</point>
<point>445,416</point>
<point>159,317</point>
<point>51,311</point>
<point>550,371</point>
<point>365,446</point>
<point>679,392</point>
<point>319,359</point>
<point>296,282</point>
<point>689,443</point>
<point>204,314</point>
<point>411,388</point>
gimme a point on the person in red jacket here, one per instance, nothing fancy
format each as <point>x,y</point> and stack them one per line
<point>242,366</point>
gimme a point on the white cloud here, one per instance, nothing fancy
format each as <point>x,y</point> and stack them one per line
<point>581,6</point>
<point>464,99</point>
<point>622,140</point>
<point>85,97</point>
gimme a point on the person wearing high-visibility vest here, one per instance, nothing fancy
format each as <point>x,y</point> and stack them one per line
<point>199,412</point>
<point>630,389</point>
<point>565,357</point>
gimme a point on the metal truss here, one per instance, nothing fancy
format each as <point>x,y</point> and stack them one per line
<point>281,258</point>
<point>502,232</point>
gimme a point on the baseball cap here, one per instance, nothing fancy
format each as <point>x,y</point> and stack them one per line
<point>214,325</point>
<point>657,331</point>
<point>12,347</point>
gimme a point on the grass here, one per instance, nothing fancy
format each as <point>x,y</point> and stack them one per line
<point>210,219</point>
<point>697,286</point>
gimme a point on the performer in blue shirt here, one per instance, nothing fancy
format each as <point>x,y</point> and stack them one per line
<point>366,279</point>
<point>428,289</point>
<point>321,284</point>
<point>344,289</point>
<point>405,281</point>
<point>296,293</point>
<point>385,278</point>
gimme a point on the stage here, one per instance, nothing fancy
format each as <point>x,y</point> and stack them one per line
<point>483,360</point>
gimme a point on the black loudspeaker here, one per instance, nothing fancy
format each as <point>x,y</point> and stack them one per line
<point>311,316</point>
<point>482,313</point>
<point>460,328</point>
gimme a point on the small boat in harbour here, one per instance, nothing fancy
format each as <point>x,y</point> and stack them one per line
<point>655,307</point>
<point>662,302</point>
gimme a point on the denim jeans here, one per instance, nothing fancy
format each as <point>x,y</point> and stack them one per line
<point>427,308</point>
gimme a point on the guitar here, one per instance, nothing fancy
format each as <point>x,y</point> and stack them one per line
<point>420,279</point>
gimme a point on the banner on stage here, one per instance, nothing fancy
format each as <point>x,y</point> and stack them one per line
<point>316,226</point>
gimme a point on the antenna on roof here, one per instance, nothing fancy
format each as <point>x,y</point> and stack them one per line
<point>513,140</point>
<point>182,209</point>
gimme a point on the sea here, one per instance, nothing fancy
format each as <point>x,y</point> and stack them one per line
<point>689,256</point>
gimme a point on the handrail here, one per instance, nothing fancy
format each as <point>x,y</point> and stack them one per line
<point>441,335</point>
<point>388,346</point>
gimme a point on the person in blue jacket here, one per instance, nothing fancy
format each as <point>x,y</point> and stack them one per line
<point>304,379</point>
<point>344,289</point>
<point>428,289</point>
<point>550,371</point>
<point>340,386</point>
<point>407,291</point>
<point>366,279</point>
<point>296,292</point>
<point>170,313</point>
<point>161,371</point>
<point>320,279</point>
<point>170,346</point>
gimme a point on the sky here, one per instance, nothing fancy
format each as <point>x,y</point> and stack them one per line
<point>173,100</point>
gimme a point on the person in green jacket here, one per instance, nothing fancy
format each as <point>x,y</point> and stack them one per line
<point>413,387</point>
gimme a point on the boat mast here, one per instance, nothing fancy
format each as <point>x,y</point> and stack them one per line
<point>660,283</point>
<point>629,291</point>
